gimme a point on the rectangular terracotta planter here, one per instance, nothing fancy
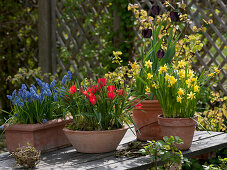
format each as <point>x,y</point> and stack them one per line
<point>44,137</point>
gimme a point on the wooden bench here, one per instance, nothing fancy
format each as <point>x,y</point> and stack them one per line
<point>68,158</point>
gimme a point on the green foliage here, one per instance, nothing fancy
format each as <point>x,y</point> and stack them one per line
<point>26,156</point>
<point>214,118</point>
<point>19,41</point>
<point>166,151</point>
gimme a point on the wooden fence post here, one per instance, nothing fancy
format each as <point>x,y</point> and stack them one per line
<point>47,35</point>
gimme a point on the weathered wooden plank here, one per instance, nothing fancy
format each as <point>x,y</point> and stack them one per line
<point>198,147</point>
<point>69,158</point>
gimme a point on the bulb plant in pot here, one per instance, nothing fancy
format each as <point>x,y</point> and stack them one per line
<point>100,112</point>
<point>165,41</point>
<point>177,88</point>
<point>154,31</point>
<point>37,117</point>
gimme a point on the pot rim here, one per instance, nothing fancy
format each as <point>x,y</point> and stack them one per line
<point>94,131</point>
<point>177,118</point>
<point>38,126</point>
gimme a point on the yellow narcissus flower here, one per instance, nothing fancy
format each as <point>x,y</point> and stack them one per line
<point>191,95</point>
<point>133,65</point>
<point>172,80</point>
<point>194,79</point>
<point>182,73</point>
<point>196,88</point>
<point>179,99</point>
<point>167,77</point>
<point>216,70</point>
<point>117,53</point>
<point>149,75</point>
<point>181,64</point>
<point>188,82</point>
<point>180,91</point>
<point>211,75</point>
<point>191,73</point>
<point>153,85</point>
<point>162,69</point>
<point>148,64</point>
<point>148,90</point>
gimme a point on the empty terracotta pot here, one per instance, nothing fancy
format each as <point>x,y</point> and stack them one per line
<point>44,137</point>
<point>181,127</point>
<point>95,141</point>
<point>146,120</point>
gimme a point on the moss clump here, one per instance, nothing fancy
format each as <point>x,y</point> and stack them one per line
<point>26,156</point>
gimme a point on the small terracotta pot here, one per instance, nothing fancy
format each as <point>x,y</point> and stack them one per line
<point>95,141</point>
<point>44,137</point>
<point>147,120</point>
<point>181,127</point>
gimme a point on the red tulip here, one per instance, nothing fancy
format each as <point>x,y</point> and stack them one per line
<point>139,106</point>
<point>102,82</point>
<point>72,89</point>
<point>111,95</point>
<point>120,92</point>
<point>111,88</point>
<point>85,93</point>
<point>93,100</point>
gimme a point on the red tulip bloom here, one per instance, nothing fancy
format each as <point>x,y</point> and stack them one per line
<point>72,89</point>
<point>120,92</point>
<point>93,100</point>
<point>85,93</point>
<point>102,82</point>
<point>139,106</point>
<point>81,88</point>
<point>111,95</point>
<point>111,88</point>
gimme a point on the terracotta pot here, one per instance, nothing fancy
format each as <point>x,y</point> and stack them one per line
<point>147,120</point>
<point>181,127</point>
<point>44,137</point>
<point>95,141</point>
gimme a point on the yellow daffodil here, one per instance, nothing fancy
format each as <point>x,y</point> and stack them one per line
<point>194,79</point>
<point>179,99</point>
<point>162,69</point>
<point>191,95</point>
<point>182,73</point>
<point>133,65</point>
<point>211,75</point>
<point>148,64</point>
<point>153,85</point>
<point>191,73</point>
<point>172,80</point>
<point>117,53</point>
<point>167,77</point>
<point>217,70</point>
<point>181,64</point>
<point>180,91</point>
<point>196,88</point>
<point>148,90</point>
<point>149,75</point>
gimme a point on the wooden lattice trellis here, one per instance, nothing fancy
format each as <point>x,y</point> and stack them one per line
<point>215,44</point>
<point>72,34</point>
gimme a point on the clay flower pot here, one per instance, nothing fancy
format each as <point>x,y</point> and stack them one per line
<point>181,127</point>
<point>147,120</point>
<point>95,141</point>
<point>43,137</point>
